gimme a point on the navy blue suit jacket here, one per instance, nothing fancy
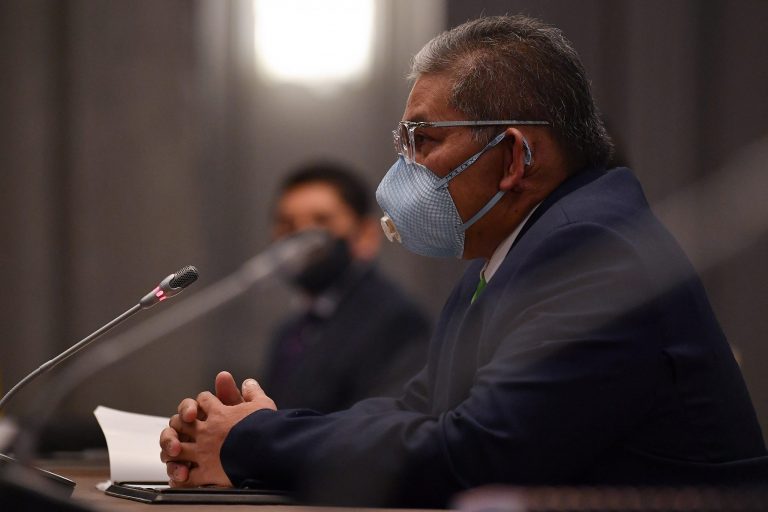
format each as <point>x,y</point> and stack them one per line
<point>370,345</point>
<point>593,356</point>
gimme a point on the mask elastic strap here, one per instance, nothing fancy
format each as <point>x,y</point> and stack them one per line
<point>495,199</point>
<point>490,204</point>
<point>461,168</point>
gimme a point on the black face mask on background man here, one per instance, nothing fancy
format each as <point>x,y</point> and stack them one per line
<point>326,269</point>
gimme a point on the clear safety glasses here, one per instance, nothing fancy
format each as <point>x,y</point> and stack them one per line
<point>407,140</point>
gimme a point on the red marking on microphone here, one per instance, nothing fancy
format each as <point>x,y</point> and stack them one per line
<point>159,293</point>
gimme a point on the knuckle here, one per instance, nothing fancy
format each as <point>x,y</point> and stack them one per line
<point>188,411</point>
<point>182,405</point>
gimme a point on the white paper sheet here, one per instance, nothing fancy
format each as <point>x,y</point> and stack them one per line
<point>133,445</point>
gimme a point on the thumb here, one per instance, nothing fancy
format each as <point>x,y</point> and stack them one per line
<point>226,389</point>
<point>252,391</point>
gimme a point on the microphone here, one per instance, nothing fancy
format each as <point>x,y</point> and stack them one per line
<point>168,287</point>
<point>286,256</point>
<point>40,489</point>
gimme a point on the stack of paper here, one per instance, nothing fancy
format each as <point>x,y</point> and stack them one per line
<point>133,445</point>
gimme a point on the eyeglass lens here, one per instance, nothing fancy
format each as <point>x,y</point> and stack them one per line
<point>403,140</point>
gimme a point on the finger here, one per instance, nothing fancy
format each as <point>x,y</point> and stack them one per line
<point>165,458</point>
<point>206,402</point>
<point>186,431</point>
<point>252,392</point>
<point>226,389</point>
<point>178,473</point>
<point>189,411</point>
<point>169,442</point>
<point>187,454</point>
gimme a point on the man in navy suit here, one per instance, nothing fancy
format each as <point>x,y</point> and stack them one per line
<point>579,348</point>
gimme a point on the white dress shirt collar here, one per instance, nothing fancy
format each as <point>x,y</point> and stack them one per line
<point>493,264</point>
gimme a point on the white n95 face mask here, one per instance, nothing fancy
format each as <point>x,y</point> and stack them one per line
<point>419,211</point>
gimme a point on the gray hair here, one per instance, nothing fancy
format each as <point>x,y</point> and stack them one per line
<point>516,67</point>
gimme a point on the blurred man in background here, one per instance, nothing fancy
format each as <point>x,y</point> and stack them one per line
<point>358,334</point>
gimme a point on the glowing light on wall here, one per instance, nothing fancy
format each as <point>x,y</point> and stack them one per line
<point>313,41</point>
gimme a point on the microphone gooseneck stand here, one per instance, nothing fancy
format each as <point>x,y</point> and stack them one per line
<point>31,488</point>
<point>168,287</point>
<point>286,256</point>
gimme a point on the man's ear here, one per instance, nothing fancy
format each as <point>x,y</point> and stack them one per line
<point>517,158</point>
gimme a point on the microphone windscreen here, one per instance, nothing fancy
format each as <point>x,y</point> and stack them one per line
<point>184,277</point>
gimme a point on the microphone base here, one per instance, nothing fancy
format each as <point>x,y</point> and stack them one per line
<point>22,496</point>
<point>33,486</point>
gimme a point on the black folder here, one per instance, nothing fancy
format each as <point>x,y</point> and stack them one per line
<point>152,492</point>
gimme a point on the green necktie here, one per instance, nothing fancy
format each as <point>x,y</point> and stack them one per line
<point>480,287</point>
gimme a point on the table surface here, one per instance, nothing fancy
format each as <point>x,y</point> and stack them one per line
<point>88,475</point>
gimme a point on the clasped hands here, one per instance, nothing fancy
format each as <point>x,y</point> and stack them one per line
<point>190,445</point>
